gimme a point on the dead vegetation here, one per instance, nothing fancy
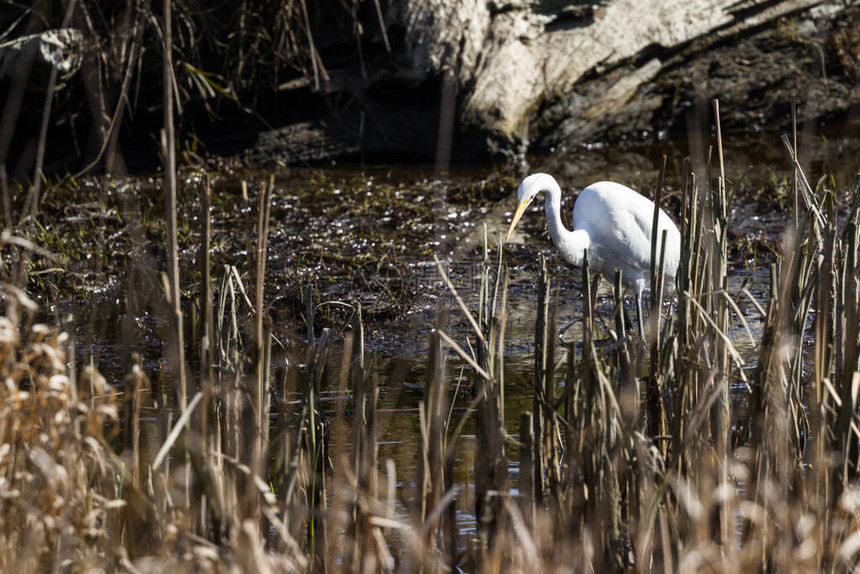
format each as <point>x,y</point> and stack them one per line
<point>671,454</point>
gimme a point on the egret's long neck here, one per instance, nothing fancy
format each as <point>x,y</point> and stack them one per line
<point>571,244</point>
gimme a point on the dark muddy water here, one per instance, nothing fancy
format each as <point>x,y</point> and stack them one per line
<point>368,234</point>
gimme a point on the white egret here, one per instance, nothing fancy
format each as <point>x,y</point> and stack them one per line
<point>613,223</point>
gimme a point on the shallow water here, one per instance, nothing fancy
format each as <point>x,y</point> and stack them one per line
<point>368,234</point>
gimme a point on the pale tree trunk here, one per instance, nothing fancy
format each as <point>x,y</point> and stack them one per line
<point>513,60</point>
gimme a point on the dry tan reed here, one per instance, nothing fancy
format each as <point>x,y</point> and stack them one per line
<point>715,479</point>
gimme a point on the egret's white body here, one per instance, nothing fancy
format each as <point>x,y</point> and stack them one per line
<point>613,223</point>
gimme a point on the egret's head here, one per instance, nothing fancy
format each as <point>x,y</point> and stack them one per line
<point>529,188</point>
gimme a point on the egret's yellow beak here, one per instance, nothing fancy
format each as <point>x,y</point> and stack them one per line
<point>521,208</point>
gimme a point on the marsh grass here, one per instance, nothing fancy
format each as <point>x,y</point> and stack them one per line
<point>680,477</point>
<point>685,474</point>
